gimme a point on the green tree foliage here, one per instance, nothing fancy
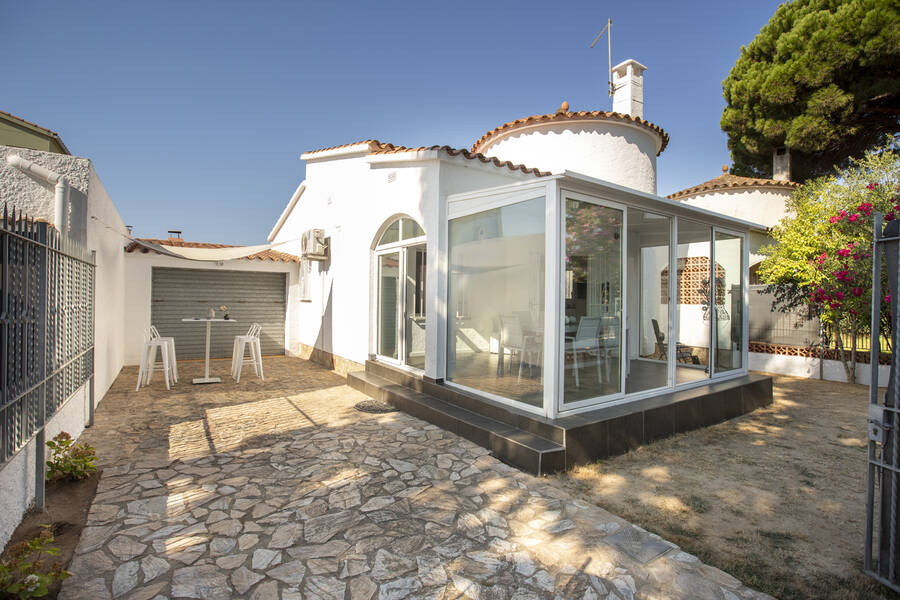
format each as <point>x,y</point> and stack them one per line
<point>823,79</point>
<point>823,248</point>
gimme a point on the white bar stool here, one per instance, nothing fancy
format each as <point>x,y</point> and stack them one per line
<point>148,360</point>
<point>173,362</point>
<point>241,343</point>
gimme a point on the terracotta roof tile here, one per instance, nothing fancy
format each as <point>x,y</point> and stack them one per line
<point>729,181</point>
<point>392,149</point>
<point>376,147</point>
<point>373,144</point>
<point>50,132</point>
<point>272,255</point>
<point>563,115</point>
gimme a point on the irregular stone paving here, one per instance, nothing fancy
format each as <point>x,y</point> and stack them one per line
<point>281,490</point>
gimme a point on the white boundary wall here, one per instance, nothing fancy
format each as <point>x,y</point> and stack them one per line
<point>800,366</point>
<point>93,214</point>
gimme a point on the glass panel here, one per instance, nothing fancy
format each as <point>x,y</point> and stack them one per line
<point>411,229</point>
<point>647,331</point>
<point>592,337</point>
<point>415,306</point>
<point>388,303</point>
<point>729,307</point>
<point>496,301</point>
<point>391,234</point>
<point>692,341</point>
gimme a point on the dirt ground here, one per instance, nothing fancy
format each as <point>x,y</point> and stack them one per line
<point>66,506</point>
<point>776,497</point>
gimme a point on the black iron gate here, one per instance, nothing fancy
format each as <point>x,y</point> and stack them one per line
<point>46,332</point>
<point>881,559</point>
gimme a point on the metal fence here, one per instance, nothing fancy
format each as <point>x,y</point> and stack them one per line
<point>46,331</point>
<point>881,558</point>
<point>776,327</point>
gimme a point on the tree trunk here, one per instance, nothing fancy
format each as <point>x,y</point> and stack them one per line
<point>842,354</point>
<point>853,353</point>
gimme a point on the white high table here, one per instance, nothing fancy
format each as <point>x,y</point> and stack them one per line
<point>209,321</point>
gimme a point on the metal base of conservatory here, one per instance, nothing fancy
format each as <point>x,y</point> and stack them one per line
<point>540,445</point>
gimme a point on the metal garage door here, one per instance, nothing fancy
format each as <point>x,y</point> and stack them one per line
<point>251,297</point>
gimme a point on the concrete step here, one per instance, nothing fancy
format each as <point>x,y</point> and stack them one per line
<point>522,449</point>
<point>519,419</point>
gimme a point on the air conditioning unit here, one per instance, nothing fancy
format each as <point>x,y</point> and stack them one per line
<point>312,245</point>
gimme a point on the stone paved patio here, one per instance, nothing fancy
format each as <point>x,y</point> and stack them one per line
<point>281,489</point>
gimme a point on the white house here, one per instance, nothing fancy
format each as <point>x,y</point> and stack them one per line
<point>530,274</point>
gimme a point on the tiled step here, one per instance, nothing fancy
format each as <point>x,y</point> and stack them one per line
<point>519,448</point>
<point>518,419</point>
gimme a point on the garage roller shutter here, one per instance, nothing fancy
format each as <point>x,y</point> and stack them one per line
<point>251,297</point>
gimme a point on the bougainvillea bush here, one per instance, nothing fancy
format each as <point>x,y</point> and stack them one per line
<point>823,249</point>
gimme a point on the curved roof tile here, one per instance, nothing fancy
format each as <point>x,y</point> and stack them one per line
<point>561,115</point>
<point>392,149</point>
<point>729,181</point>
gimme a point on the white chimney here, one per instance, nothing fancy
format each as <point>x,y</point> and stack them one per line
<point>628,88</point>
<point>781,164</point>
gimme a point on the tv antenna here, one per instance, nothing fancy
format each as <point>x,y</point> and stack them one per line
<point>608,31</point>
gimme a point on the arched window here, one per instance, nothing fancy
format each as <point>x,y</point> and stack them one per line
<point>402,229</point>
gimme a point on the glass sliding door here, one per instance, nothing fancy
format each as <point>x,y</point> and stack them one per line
<point>495,301</point>
<point>694,301</point>
<point>729,320</point>
<point>414,306</point>
<point>647,332</point>
<point>388,304</point>
<point>592,332</point>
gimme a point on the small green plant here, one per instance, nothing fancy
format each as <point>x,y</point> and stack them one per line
<point>24,572</point>
<point>69,460</point>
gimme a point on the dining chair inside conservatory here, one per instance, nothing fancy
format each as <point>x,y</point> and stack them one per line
<point>243,344</point>
<point>586,341</point>
<point>148,360</point>
<point>526,347</point>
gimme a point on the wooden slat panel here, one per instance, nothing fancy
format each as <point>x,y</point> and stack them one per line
<point>251,297</point>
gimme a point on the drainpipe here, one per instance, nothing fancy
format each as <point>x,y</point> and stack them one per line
<point>39,172</point>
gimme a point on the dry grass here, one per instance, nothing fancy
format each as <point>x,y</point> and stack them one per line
<point>776,497</point>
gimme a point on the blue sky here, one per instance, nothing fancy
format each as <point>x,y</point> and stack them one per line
<point>195,113</point>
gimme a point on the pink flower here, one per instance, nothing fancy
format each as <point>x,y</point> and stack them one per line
<point>871,186</point>
<point>857,291</point>
<point>839,295</point>
<point>834,305</point>
<point>887,298</point>
<point>843,252</point>
<point>852,218</point>
<point>834,219</point>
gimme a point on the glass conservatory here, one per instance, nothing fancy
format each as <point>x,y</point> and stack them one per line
<point>570,293</point>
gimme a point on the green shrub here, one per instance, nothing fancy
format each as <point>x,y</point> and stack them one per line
<point>24,574</point>
<point>69,460</point>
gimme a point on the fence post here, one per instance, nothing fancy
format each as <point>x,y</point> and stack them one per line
<point>90,420</point>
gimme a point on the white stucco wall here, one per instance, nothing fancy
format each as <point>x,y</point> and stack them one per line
<point>37,197</point>
<point>800,366</point>
<point>93,218</point>
<point>765,206</point>
<point>138,284</point>
<point>617,152</point>
<point>351,199</point>
<point>17,476</point>
<point>106,236</point>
